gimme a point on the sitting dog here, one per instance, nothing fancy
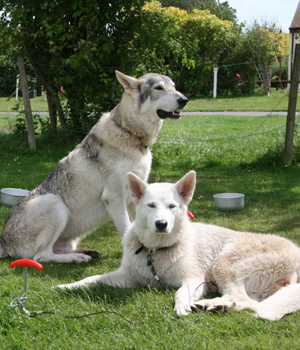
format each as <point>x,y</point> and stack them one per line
<point>163,248</point>
<point>88,187</point>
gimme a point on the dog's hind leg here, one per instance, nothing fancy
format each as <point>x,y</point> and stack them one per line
<point>66,246</point>
<point>47,254</point>
<point>285,301</point>
<point>48,237</point>
<point>228,301</point>
<point>234,295</point>
<point>45,220</point>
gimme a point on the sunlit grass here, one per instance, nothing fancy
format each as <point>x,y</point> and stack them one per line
<point>9,105</point>
<point>278,101</point>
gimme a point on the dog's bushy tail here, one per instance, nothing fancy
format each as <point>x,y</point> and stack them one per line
<point>285,301</point>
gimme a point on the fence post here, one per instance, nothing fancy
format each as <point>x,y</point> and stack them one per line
<point>290,121</point>
<point>17,87</point>
<point>26,100</point>
<point>215,82</point>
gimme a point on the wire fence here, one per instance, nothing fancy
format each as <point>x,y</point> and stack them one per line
<point>254,132</point>
<point>188,139</point>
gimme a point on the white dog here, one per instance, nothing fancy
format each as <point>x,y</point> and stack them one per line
<point>88,187</point>
<point>164,249</point>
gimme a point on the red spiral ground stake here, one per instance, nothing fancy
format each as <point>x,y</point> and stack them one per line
<point>21,301</point>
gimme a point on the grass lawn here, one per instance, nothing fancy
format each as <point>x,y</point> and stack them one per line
<point>37,104</point>
<point>7,123</point>
<point>278,101</point>
<point>230,154</point>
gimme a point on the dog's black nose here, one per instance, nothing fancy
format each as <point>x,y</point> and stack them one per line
<point>182,101</point>
<point>161,224</point>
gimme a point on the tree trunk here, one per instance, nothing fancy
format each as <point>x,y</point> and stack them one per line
<point>49,88</point>
<point>26,100</point>
<point>52,113</point>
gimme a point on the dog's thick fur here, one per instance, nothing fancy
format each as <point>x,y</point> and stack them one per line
<point>252,271</point>
<point>88,187</point>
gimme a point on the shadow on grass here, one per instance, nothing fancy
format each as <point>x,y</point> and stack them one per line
<point>293,222</point>
<point>115,296</point>
<point>14,142</point>
<point>110,296</point>
<point>24,168</point>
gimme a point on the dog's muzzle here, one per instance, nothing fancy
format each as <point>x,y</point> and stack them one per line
<point>182,101</point>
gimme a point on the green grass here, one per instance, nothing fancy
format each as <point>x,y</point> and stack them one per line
<point>278,101</point>
<point>240,154</point>
<point>9,105</point>
<point>234,154</point>
<point>7,122</point>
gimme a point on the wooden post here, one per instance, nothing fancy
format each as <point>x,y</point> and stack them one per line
<point>25,94</point>
<point>290,121</point>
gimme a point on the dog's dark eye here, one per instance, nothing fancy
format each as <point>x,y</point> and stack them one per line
<point>151,205</point>
<point>158,87</point>
<point>172,206</point>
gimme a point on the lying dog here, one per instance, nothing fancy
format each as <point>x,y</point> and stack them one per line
<point>164,249</point>
<point>87,188</point>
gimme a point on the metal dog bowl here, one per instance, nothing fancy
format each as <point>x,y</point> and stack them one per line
<point>10,196</point>
<point>229,201</point>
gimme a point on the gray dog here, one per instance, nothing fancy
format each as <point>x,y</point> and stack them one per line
<point>88,187</point>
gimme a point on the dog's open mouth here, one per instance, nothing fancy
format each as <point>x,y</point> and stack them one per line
<point>164,114</point>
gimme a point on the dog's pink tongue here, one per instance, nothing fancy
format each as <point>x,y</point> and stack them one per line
<point>191,215</point>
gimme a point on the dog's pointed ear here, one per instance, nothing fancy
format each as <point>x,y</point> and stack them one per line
<point>126,81</point>
<point>136,187</point>
<point>186,186</point>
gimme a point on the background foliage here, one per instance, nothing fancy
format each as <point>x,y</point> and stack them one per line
<point>73,48</point>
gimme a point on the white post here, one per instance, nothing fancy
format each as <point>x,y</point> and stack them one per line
<point>215,82</point>
<point>17,88</point>
<point>34,91</point>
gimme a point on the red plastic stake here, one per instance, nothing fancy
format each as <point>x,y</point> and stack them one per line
<point>26,263</point>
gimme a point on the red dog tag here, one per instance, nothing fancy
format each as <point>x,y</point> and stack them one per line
<point>191,215</point>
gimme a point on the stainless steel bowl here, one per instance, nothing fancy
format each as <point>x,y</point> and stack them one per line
<point>229,201</point>
<point>10,196</point>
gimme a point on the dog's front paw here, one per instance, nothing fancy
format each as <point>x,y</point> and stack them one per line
<point>59,286</point>
<point>218,308</point>
<point>79,258</point>
<point>182,309</point>
<point>197,306</point>
<point>85,283</point>
<point>212,306</point>
<point>74,285</point>
<point>92,253</point>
